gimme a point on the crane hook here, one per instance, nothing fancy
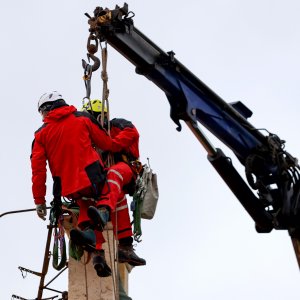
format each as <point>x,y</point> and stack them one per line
<point>95,65</point>
<point>92,49</point>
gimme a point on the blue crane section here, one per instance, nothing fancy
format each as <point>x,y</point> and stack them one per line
<point>271,193</point>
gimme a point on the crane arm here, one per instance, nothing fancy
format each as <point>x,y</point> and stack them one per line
<point>271,171</point>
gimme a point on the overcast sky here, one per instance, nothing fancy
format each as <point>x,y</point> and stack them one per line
<point>201,243</point>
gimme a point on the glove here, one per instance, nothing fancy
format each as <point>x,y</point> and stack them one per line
<point>41,211</point>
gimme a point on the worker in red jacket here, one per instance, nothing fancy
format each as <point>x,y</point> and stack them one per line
<point>67,142</point>
<point>121,177</point>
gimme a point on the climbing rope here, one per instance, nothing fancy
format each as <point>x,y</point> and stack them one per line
<point>104,76</point>
<point>110,161</point>
<point>112,249</point>
<point>92,48</point>
<point>117,272</point>
<point>85,278</point>
<point>105,95</point>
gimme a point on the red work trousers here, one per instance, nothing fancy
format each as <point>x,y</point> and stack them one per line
<point>114,197</point>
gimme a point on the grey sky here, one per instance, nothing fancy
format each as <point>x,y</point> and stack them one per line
<point>201,243</point>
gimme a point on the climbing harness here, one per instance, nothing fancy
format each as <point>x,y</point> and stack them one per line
<point>56,221</point>
<point>59,245</point>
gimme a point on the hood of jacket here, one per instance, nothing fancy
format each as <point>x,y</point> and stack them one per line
<point>59,113</point>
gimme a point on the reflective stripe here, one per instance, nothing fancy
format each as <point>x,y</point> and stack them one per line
<point>116,172</point>
<point>124,198</point>
<point>116,183</point>
<point>87,198</point>
<point>121,207</point>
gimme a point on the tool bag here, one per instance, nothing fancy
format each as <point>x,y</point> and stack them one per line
<point>150,193</point>
<point>145,199</point>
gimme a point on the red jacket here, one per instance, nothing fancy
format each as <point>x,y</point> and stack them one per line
<point>127,136</point>
<point>66,141</point>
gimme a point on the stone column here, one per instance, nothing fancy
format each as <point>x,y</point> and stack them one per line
<point>84,284</point>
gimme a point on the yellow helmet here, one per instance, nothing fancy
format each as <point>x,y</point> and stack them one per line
<point>96,106</point>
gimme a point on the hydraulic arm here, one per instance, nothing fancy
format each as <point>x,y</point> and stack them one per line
<point>271,193</point>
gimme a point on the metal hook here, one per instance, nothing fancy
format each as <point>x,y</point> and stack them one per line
<point>92,49</point>
<point>95,66</point>
<point>96,61</point>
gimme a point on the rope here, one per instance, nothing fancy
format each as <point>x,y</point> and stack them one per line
<point>112,263</point>
<point>105,94</point>
<point>109,162</point>
<point>104,76</point>
<point>105,90</point>
<point>85,277</point>
<point>117,257</point>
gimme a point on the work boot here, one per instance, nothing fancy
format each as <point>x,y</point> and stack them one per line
<point>126,254</point>
<point>100,265</point>
<point>84,238</point>
<point>99,216</point>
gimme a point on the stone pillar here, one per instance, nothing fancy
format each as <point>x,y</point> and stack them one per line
<point>84,284</point>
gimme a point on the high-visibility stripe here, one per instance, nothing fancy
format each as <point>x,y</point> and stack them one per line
<point>116,172</point>
<point>87,198</point>
<point>124,198</point>
<point>121,207</point>
<point>114,182</point>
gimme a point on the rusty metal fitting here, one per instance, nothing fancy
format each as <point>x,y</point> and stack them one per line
<point>104,17</point>
<point>92,48</point>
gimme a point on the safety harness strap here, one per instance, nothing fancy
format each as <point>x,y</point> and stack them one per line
<point>59,247</point>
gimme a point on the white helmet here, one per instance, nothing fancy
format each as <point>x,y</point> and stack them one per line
<point>49,97</point>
